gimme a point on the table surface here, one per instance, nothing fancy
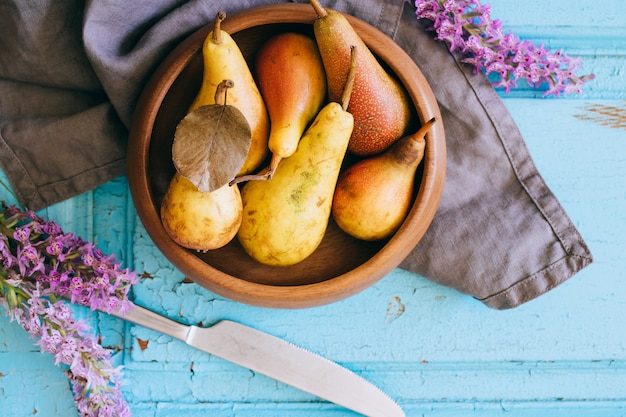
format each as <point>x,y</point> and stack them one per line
<point>437,352</point>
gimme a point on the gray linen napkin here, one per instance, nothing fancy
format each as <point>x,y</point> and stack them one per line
<point>71,73</point>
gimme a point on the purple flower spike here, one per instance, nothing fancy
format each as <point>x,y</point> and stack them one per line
<point>466,26</point>
<point>40,264</point>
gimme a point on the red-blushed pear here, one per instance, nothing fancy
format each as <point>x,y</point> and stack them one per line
<point>291,78</point>
<point>373,196</point>
<point>380,105</point>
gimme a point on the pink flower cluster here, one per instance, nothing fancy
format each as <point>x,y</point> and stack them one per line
<point>466,26</point>
<point>39,265</point>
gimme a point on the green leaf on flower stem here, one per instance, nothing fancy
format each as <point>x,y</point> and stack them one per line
<point>211,144</point>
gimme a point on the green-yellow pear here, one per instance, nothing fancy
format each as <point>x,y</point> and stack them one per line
<point>381,107</point>
<point>291,78</point>
<point>197,220</point>
<point>285,219</point>
<point>373,196</point>
<point>224,60</point>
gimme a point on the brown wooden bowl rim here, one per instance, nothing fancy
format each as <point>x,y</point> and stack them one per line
<point>281,296</point>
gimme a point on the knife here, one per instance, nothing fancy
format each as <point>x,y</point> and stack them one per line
<point>276,358</point>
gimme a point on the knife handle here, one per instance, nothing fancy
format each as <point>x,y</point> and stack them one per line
<point>154,321</point>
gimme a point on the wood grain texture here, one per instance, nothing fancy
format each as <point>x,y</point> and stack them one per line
<point>439,353</point>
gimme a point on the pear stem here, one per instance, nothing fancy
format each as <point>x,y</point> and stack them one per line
<point>421,132</point>
<point>319,10</point>
<point>409,150</point>
<point>347,90</point>
<point>217,27</point>
<point>273,165</point>
<point>264,175</point>
<point>222,91</point>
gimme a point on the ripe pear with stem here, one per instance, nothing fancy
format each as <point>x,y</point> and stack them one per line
<point>292,81</point>
<point>224,60</point>
<point>195,218</point>
<point>382,109</point>
<point>285,219</point>
<point>373,196</point>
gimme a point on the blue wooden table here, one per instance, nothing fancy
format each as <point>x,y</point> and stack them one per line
<point>437,352</point>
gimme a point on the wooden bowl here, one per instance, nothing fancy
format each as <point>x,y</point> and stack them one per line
<point>341,266</point>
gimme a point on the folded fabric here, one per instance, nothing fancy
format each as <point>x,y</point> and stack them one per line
<point>499,233</point>
<point>71,73</point>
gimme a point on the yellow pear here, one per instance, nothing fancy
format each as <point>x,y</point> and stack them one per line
<point>373,196</point>
<point>285,219</point>
<point>197,220</point>
<point>224,60</point>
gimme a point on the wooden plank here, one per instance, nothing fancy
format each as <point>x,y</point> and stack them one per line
<point>438,352</point>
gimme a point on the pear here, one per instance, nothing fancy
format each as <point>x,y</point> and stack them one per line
<point>373,196</point>
<point>285,219</point>
<point>380,105</point>
<point>198,220</point>
<point>224,60</point>
<point>292,81</point>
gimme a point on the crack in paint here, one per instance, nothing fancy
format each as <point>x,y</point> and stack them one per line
<point>143,344</point>
<point>395,309</point>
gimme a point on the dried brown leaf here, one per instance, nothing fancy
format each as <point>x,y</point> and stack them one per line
<point>210,145</point>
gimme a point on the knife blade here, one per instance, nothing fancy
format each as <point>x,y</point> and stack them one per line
<point>275,358</point>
